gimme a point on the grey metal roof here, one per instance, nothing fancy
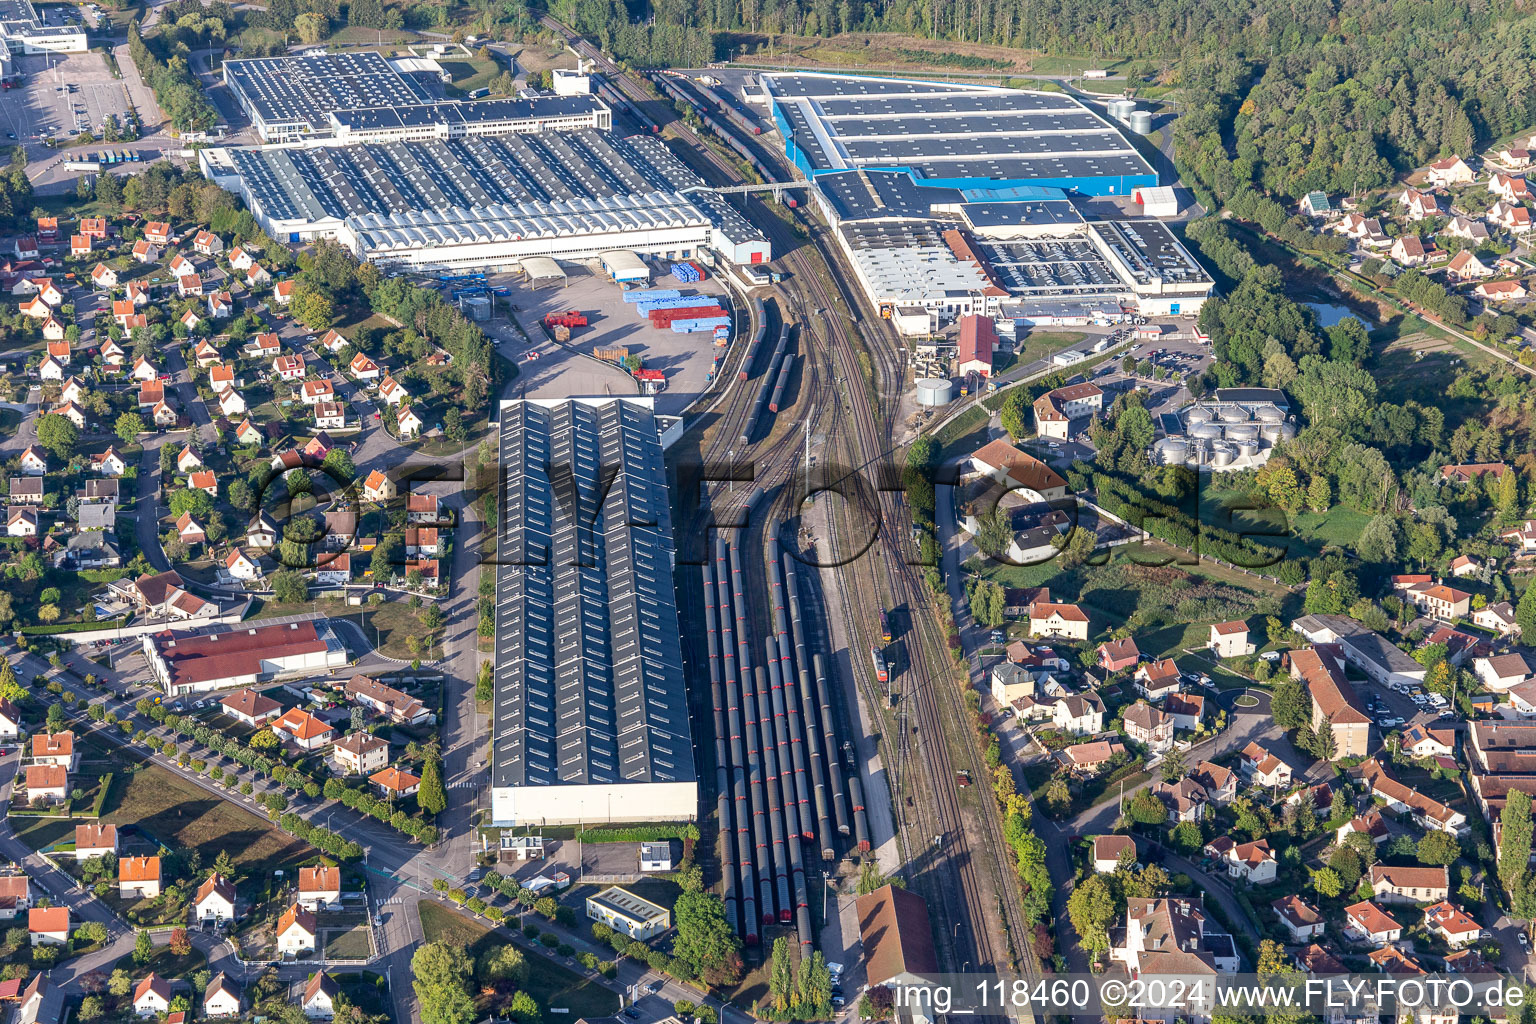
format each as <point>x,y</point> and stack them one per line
<point>1152,252</point>
<point>1030,212</point>
<point>589,678</point>
<point>294,90</point>
<point>374,118</point>
<point>948,131</point>
<point>1051,266</point>
<point>881,195</point>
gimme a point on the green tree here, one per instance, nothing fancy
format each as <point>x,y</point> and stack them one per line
<point>120,983</point>
<point>1327,883</point>
<point>781,975</point>
<point>1291,705</point>
<point>432,797</point>
<point>1146,809</point>
<point>503,963</point>
<point>1525,612</point>
<point>1092,907</point>
<point>705,941</point>
<point>1514,838</point>
<point>440,975</point>
<point>58,434</point>
<point>1172,767</point>
<point>128,427</point>
<point>143,948</point>
<point>1186,836</point>
<point>987,603</point>
<point>289,587</point>
<point>1437,848</point>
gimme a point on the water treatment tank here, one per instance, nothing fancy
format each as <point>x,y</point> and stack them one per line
<point>1141,122</point>
<point>1205,431</point>
<point>934,391</point>
<point>1222,454</point>
<point>1287,430</point>
<point>1174,451</point>
<point>1242,431</point>
<point>1270,432</point>
<point>1248,449</point>
<point>1233,414</point>
<point>1198,414</point>
<point>1270,414</point>
<point>477,307</point>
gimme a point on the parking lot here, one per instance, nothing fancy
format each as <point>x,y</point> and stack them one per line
<point>559,370</point>
<point>59,94</point>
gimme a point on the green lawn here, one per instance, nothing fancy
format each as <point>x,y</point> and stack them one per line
<point>470,73</point>
<point>172,811</point>
<point>348,943</point>
<point>962,435</point>
<point>553,986</point>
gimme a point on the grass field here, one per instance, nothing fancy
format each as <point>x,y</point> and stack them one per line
<point>552,985</point>
<point>41,833</point>
<point>1306,533</point>
<point>348,943</point>
<point>1040,345</point>
<point>171,810</point>
<point>10,419</point>
<point>962,435</point>
<point>470,73</point>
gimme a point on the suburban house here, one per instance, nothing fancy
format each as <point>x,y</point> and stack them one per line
<point>138,877</point>
<point>393,782</point>
<point>1427,812</point>
<point>320,888</point>
<point>1185,799</point>
<point>1452,170</point>
<point>1078,714</point>
<point>1498,617</point>
<point>303,729</point>
<point>1504,671</point>
<point>1107,851</point>
<point>296,931</point>
<point>215,900</point>
<point>1157,679</point>
<point>1263,768</point>
<point>1252,862</point>
<point>1220,783</point>
<point>1451,924</point>
<point>360,754</point>
<point>55,748</point>
<point>1423,741</point>
<point>396,705</point>
<point>320,994</point>
<point>1301,919</point>
<point>48,926</point>
<point>1171,935</point>
<point>1089,758</point>
<point>1368,923</point>
<point>1118,655</point>
<point>1409,884</point>
<point>378,487</point>
<point>152,996</point>
<point>1370,824</point>
<point>250,708</point>
<point>1147,725</point>
<point>95,840</point>
<point>1230,639</point>
<point>221,998</point>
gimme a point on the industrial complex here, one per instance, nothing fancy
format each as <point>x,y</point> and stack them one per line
<point>924,253</point>
<point>477,185</point>
<point>961,136</point>
<point>24,30</point>
<point>591,716</point>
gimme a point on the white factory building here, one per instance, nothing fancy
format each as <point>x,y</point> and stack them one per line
<point>194,661</point>
<point>1025,255</point>
<point>23,29</point>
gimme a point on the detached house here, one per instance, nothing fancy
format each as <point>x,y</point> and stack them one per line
<point>1263,768</point>
<point>1301,919</point>
<point>1118,655</point>
<point>1148,726</point>
<point>1252,862</point>
<point>1063,620</point>
<point>1366,922</point>
<point>215,900</point>
<point>320,888</point>
<point>1452,170</point>
<point>1409,884</point>
<point>1451,924</point>
<point>138,877</point>
<point>1230,639</point>
<point>296,932</point>
<point>1156,679</point>
<point>1409,251</point>
<point>1107,851</point>
<point>360,754</point>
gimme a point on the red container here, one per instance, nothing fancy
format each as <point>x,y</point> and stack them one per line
<point>664,317</point>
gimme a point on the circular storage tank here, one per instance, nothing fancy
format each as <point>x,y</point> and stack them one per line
<point>934,391</point>
<point>1287,430</point>
<point>1270,414</point>
<point>1205,431</point>
<point>1174,451</point>
<point>1120,109</point>
<point>1248,449</point>
<point>1242,431</point>
<point>1233,414</point>
<point>1222,454</point>
<point>1199,414</point>
<point>1141,122</point>
<point>477,307</point>
<point>1270,432</point>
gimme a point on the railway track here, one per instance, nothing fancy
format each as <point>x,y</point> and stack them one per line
<point>960,895</point>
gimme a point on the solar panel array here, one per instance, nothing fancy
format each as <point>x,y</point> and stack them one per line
<point>293,89</point>
<point>1048,266</point>
<point>471,113</point>
<point>949,131</point>
<point>477,171</point>
<point>589,678</point>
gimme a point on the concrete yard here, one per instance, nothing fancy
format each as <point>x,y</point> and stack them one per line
<point>563,370</point>
<point>39,110</point>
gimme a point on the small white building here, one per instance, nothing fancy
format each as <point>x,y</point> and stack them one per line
<point>628,914</point>
<point>296,931</point>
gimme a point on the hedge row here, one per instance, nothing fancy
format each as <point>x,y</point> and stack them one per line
<point>76,627</point>
<point>638,834</point>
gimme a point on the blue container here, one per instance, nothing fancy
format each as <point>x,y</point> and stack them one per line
<point>700,325</point>
<point>649,305</point>
<point>644,294</point>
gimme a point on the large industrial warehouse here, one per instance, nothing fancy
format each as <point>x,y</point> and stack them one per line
<point>591,717</point>
<point>488,201</point>
<point>962,136</point>
<point>914,246</point>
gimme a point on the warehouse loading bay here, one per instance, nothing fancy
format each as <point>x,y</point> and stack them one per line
<point>46,105</point>
<point>564,370</point>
